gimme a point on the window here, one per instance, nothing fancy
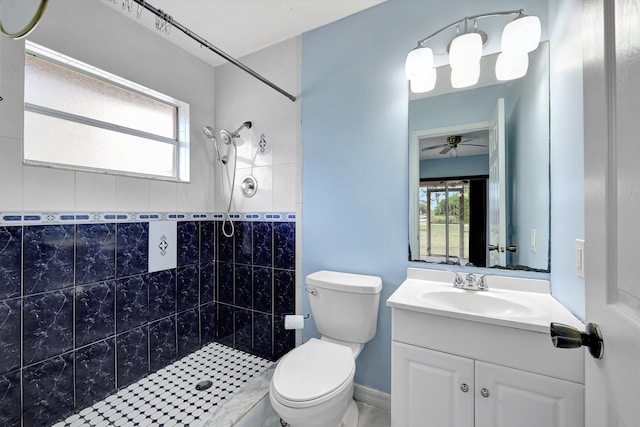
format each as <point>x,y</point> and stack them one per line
<point>79,117</point>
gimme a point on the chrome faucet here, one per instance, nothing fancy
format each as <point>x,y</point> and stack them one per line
<point>471,282</point>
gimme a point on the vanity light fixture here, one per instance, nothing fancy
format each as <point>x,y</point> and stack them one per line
<point>519,37</point>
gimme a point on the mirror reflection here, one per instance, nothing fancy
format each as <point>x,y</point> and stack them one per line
<point>479,165</point>
<point>19,17</point>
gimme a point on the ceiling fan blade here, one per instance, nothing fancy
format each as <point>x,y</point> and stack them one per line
<point>434,146</point>
<point>446,149</point>
<point>476,145</point>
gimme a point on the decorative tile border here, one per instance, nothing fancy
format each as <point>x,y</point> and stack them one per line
<point>36,218</point>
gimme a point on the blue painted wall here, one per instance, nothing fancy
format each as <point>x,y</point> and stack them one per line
<point>355,149</point>
<point>450,167</point>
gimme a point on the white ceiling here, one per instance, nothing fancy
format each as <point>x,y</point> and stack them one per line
<point>241,27</point>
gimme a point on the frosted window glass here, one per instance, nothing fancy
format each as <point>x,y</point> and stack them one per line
<point>51,140</point>
<point>59,88</point>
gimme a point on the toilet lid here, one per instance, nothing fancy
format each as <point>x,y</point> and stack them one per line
<point>313,370</point>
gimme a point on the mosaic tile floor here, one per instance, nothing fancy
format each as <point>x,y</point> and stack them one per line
<point>169,396</point>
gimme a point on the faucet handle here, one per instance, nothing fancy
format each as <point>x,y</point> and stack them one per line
<point>470,280</point>
<point>457,282</point>
<point>482,283</point>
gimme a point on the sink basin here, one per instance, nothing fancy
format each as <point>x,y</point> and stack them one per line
<point>483,303</point>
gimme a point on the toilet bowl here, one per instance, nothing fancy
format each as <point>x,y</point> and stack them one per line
<point>312,385</point>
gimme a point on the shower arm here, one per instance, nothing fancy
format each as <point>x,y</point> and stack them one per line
<point>160,14</point>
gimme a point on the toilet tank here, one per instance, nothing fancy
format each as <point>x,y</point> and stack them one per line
<point>345,305</point>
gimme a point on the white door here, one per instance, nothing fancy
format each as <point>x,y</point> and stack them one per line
<point>508,397</point>
<point>612,208</point>
<point>497,188</point>
<point>430,388</point>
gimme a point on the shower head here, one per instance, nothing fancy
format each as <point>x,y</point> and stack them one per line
<point>244,125</point>
<point>227,137</point>
<point>211,134</point>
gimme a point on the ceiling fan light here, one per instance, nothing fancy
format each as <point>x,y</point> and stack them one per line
<point>465,49</point>
<point>511,65</point>
<point>465,76</point>
<point>522,34</point>
<point>418,61</point>
<point>424,82</point>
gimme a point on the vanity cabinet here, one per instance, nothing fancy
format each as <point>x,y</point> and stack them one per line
<point>433,388</point>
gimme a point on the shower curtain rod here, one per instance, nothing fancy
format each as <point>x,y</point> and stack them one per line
<point>160,14</point>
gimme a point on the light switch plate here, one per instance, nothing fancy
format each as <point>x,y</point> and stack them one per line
<point>580,257</point>
<point>163,245</point>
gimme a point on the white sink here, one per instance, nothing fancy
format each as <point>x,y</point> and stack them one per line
<point>484,303</point>
<point>514,302</point>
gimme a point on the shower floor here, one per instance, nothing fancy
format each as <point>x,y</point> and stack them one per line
<point>169,396</point>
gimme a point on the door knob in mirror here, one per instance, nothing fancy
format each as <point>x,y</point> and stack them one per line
<point>565,336</point>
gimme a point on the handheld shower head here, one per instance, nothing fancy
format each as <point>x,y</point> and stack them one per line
<point>211,134</point>
<point>226,136</point>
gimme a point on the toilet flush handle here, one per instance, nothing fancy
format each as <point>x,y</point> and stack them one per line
<point>312,291</point>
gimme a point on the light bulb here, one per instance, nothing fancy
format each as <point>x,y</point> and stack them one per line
<point>424,82</point>
<point>522,34</point>
<point>465,76</point>
<point>418,60</point>
<point>512,65</point>
<point>465,49</point>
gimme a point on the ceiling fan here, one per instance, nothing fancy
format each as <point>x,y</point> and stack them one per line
<point>452,143</point>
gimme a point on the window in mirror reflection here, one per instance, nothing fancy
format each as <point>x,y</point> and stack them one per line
<point>450,225</point>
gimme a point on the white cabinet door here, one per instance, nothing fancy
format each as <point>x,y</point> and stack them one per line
<point>427,388</point>
<point>523,399</point>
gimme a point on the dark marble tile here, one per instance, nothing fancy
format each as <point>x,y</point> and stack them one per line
<point>48,391</point>
<point>243,243</point>
<point>188,243</point>
<point>263,243</point>
<point>95,317</point>
<point>284,284</point>
<point>133,356</point>
<point>95,373</point>
<point>225,324</point>
<point>208,323</point>
<point>132,305</point>
<point>188,332</point>
<point>162,293</point>
<point>263,289</point>
<point>207,282</point>
<point>284,340</point>
<point>243,288</point>
<point>48,325</point>
<point>243,329</point>
<point>9,335</point>
<point>48,258</point>
<point>284,245</point>
<point>207,241</point>
<point>132,248</point>
<point>95,252</point>
<point>225,244</point>
<point>162,343</point>
<point>187,295</point>
<point>225,282</point>
<point>10,399</point>
<point>10,261</point>
<point>262,335</point>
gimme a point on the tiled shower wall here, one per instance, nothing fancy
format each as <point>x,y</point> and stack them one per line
<point>80,317</point>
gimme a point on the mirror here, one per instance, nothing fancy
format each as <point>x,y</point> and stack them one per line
<point>479,170</point>
<point>19,17</point>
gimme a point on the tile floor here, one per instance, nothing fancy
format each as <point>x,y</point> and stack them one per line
<point>370,416</point>
<point>169,396</point>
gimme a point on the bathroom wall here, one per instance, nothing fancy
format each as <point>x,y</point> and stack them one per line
<point>455,166</point>
<point>96,33</point>
<point>354,136</point>
<point>567,151</point>
<point>94,320</point>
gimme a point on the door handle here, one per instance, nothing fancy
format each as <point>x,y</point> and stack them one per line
<point>493,247</point>
<point>565,336</point>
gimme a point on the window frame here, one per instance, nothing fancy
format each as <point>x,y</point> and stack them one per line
<point>181,142</point>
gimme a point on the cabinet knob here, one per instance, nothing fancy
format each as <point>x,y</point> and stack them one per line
<point>484,392</point>
<point>464,387</point>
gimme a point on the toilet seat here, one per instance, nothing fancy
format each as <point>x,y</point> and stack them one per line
<point>313,373</point>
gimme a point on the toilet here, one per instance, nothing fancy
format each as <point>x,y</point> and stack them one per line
<point>312,385</point>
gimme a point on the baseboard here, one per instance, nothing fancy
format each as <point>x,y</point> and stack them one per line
<point>372,397</point>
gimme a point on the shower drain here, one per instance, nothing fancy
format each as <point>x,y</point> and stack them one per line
<point>203,385</point>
